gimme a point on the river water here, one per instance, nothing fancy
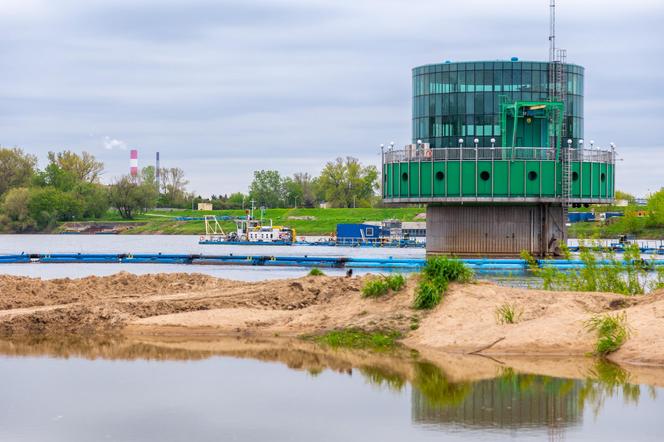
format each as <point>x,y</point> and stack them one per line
<point>179,244</point>
<point>253,391</point>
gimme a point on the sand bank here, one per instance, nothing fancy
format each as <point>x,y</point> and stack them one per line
<point>552,323</point>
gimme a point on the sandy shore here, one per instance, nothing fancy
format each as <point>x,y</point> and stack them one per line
<point>552,324</point>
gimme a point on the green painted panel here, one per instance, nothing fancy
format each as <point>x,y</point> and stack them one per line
<point>576,183</point>
<point>403,184</point>
<point>468,181</point>
<point>516,178</point>
<point>533,178</point>
<point>500,178</point>
<point>547,178</point>
<point>484,187</point>
<point>426,178</point>
<point>414,179</point>
<point>439,178</point>
<point>585,179</point>
<point>452,178</point>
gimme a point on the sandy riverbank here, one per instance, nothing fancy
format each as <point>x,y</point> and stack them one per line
<point>552,324</point>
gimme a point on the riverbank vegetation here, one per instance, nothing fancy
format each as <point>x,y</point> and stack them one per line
<point>359,339</point>
<point>381,285</point>
<point>612,332</point>
<point>434,279</point>
<point>602,271</point>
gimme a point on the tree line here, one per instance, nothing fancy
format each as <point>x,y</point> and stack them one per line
<point>68,188</point>
<point>344,182</point>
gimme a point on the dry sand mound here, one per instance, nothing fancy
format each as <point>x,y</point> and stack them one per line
<point>552,323</point>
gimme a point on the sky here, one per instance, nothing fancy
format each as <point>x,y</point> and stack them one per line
<point>222,88</point>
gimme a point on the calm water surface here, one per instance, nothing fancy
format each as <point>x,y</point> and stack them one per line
<point>166,392</point>
<point>183,244</point>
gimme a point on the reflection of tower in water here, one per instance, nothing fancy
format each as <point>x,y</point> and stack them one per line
<point>513,402</point>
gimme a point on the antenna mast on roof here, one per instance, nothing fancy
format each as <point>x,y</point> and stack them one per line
<point>552,31</point>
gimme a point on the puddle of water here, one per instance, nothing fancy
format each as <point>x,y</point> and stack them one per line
<point>231,389</point>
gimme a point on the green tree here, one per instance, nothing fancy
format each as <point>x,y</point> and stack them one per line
<point>48,205</point>
<point>299,190</point>
<point>620,195</point>
<point>236,200</point>
<point>83,167</point>
<point>346,183</point>
<point>267,188</point>
<point>16,168</point>
<point>656,208</point>
<point>174,187</point>
<point>16,214</point>
<point>129,196</point>
<point>55,176</point>
<point>94,198</point>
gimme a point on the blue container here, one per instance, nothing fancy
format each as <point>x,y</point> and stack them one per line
<point>358,231</point>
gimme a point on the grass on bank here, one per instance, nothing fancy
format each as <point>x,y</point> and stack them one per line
<point>359,339</point>
<point>508,314</point>
<point>602,271</point>
<point>612,332</point>
<point>316,272</point>
<point>434,279</point>
<point>377,287</point>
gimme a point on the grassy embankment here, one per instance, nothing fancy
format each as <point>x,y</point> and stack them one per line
<point>323,221</point>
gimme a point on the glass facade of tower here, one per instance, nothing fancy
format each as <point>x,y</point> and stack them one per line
<point>462,100</point>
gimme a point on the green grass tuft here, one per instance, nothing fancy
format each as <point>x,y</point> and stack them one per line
<point>434,279</point>
<point>508,314</point>
<point>360,339</point>
<point>376,287</point>
<point>396,282</point>
<point>316,272</point>
<point>612,332</point>
<point>428,294</point>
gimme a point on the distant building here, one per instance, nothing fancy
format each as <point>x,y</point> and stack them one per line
<point>204,206</point>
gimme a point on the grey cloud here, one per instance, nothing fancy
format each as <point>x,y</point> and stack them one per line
<point>236,84</point>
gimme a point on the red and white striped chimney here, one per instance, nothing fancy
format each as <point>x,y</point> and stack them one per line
<point>133,162</point>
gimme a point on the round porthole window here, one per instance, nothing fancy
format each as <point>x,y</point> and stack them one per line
<point>602,177</point>
<point>575,176</point>
<point>440,176</point>
<point>404,176</point>
<point>485,175</point>
<point>532,175</point>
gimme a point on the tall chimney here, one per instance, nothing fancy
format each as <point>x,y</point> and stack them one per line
<point>133,163</point>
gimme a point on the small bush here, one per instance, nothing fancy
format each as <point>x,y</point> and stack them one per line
<point>434,279</point>
<point>396,282</point>
<point>508,314</point>
<point>316,272</point>
<point>428,294</point>
<point>374,288</point>
<point>612,332</point>
<point>441,268</point>
<point>377,287</point>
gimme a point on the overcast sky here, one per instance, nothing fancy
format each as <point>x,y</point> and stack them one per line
<point>222,88</point>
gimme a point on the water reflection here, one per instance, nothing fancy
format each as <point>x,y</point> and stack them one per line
<point>459,392</point>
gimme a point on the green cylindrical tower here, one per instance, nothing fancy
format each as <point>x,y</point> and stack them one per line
<point>498,155</point>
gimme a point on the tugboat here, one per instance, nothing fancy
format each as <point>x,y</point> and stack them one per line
<point>248,231</point>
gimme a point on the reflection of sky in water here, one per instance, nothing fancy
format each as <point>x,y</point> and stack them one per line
<point>225,398</point>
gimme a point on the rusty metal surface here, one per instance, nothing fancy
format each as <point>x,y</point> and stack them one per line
<point>494,230</point>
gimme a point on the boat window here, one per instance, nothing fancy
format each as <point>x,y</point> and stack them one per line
<point>369,231</point>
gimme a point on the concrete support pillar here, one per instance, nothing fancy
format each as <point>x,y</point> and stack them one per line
<point>496,231</point>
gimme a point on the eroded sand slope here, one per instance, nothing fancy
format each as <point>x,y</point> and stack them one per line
<point>552,323</point>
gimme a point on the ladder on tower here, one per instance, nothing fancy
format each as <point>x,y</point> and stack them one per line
<point>558,92</point>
